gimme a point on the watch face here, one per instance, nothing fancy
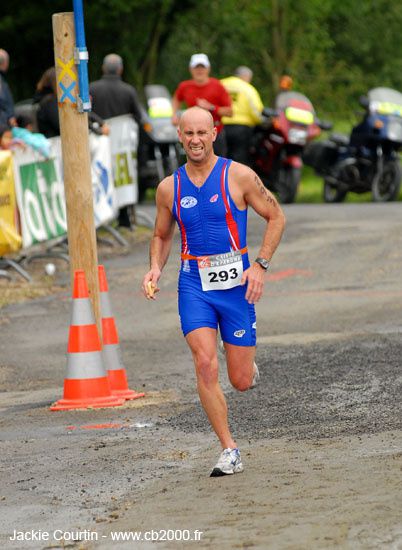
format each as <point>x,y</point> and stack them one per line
<point>263,263</point>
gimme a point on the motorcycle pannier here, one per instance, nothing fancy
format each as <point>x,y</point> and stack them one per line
<point>320,155</point>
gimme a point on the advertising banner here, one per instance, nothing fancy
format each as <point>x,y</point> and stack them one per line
<point>105,199</point>
<point>104,194</point>
<point>40,190</point>
<point>10,239</point>
<point>124,143</point>
<point>40,196</point>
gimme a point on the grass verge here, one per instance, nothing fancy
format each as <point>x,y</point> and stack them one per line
<point>311,190</point>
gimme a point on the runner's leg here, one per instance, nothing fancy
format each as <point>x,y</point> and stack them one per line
<point>202,343</point>
<point>240,365</point>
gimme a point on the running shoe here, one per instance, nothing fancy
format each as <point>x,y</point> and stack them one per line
<point>256,377</point>
<point>229,463</point>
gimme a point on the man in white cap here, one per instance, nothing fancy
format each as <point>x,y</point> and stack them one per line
<point>206,92</point>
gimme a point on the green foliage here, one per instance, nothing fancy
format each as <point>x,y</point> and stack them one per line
<point>335,51</point>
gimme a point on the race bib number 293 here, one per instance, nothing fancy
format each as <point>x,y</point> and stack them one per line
<point>220,272</point>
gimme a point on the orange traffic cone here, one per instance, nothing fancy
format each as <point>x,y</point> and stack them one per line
<point>86,384</point>
<point>111,349</point>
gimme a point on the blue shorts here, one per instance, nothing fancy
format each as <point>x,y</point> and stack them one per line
<point>226,309</point>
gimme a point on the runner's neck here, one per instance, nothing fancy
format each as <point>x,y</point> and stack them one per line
<point>198,173</point>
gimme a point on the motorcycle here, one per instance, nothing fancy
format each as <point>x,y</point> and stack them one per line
<point>159,150</point>
<point>368,160</point>
<point>278,143</point>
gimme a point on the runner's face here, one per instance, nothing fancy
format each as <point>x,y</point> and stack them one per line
<point>200,74</point>
<point>197,136</point>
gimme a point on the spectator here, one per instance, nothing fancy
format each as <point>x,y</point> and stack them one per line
<point>23,131</point>
<point>26,122</point>
<point>6,99</point>
<point>48,110</point>
<point>205,92</point>
<point>285,83</point>
<point>6,136</point>
<point>7,141</point>
<point>247,108</point>
<point>111,96</point>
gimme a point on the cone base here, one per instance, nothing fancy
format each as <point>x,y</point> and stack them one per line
<point>119,385</point>
<point>93,403</point>
<point>127,394</point>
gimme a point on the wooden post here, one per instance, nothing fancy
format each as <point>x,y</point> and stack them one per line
<point>76,161</point>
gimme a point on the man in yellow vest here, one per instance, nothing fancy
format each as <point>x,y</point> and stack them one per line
<point>247,107</point>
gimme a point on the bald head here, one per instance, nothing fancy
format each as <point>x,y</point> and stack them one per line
<point>196,115</point>
<point>244,73</point>
<point>4,60</point>
<point>112,64</point>
<point>197,133</point>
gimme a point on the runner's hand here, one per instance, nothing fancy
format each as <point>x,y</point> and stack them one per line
<point>254,277</point>
<point>204,104</point>
<point>175,119</point>
<point>150,284</point>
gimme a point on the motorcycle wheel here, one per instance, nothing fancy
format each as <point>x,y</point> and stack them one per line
<point>289,179</point>
<point>385,186</point>
<point>173,159</point>
<point>332,194</point>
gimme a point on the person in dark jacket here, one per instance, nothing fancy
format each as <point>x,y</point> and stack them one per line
<point>111,97</point>
<point>46,95</point>
<point>48,112</point>
<point>6,99</point>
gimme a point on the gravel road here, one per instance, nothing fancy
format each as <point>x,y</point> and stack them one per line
<point>321,436</point>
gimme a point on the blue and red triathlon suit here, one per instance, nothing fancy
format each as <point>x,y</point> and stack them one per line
<point>210,223</point>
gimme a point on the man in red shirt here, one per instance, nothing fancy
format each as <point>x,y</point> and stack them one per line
<point>205,92</point>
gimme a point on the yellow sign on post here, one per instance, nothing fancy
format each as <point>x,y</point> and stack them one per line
<point>10,239</point>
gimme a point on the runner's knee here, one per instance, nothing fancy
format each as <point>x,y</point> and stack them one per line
<point>241,381</point>
<point>206,367</point>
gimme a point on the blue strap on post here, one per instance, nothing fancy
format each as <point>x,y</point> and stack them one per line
<point>81,58</point>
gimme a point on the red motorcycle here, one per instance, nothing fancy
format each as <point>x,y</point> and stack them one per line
<point>278,143</point>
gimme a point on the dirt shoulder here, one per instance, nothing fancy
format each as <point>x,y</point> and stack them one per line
<point>321,436</point>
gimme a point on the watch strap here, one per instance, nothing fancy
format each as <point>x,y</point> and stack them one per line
<point>264,263</point>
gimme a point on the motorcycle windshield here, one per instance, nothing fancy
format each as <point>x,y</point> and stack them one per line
<point>294,114</point>
<point>159,107</point>
<point>385,101</point>
<point>159,101</point>
<point>159,111</point>
<point>297,107</point>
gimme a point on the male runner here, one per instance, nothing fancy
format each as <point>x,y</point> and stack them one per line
<point>208,198</point>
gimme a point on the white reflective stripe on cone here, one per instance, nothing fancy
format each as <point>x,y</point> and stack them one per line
<point>85,365</point>
<point>105,305</point>
<point>82,313</point>
<point>112,357</point>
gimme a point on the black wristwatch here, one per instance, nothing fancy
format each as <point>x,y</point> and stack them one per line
<point>263,263</point>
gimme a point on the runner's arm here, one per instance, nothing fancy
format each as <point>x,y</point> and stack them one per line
<point>252,191</point>
<point>224,111</point>
<point>176,103</point>
<point>161,242</point>
<point>225,108</point>
<point>221,111</point>
<point>266,205</point>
